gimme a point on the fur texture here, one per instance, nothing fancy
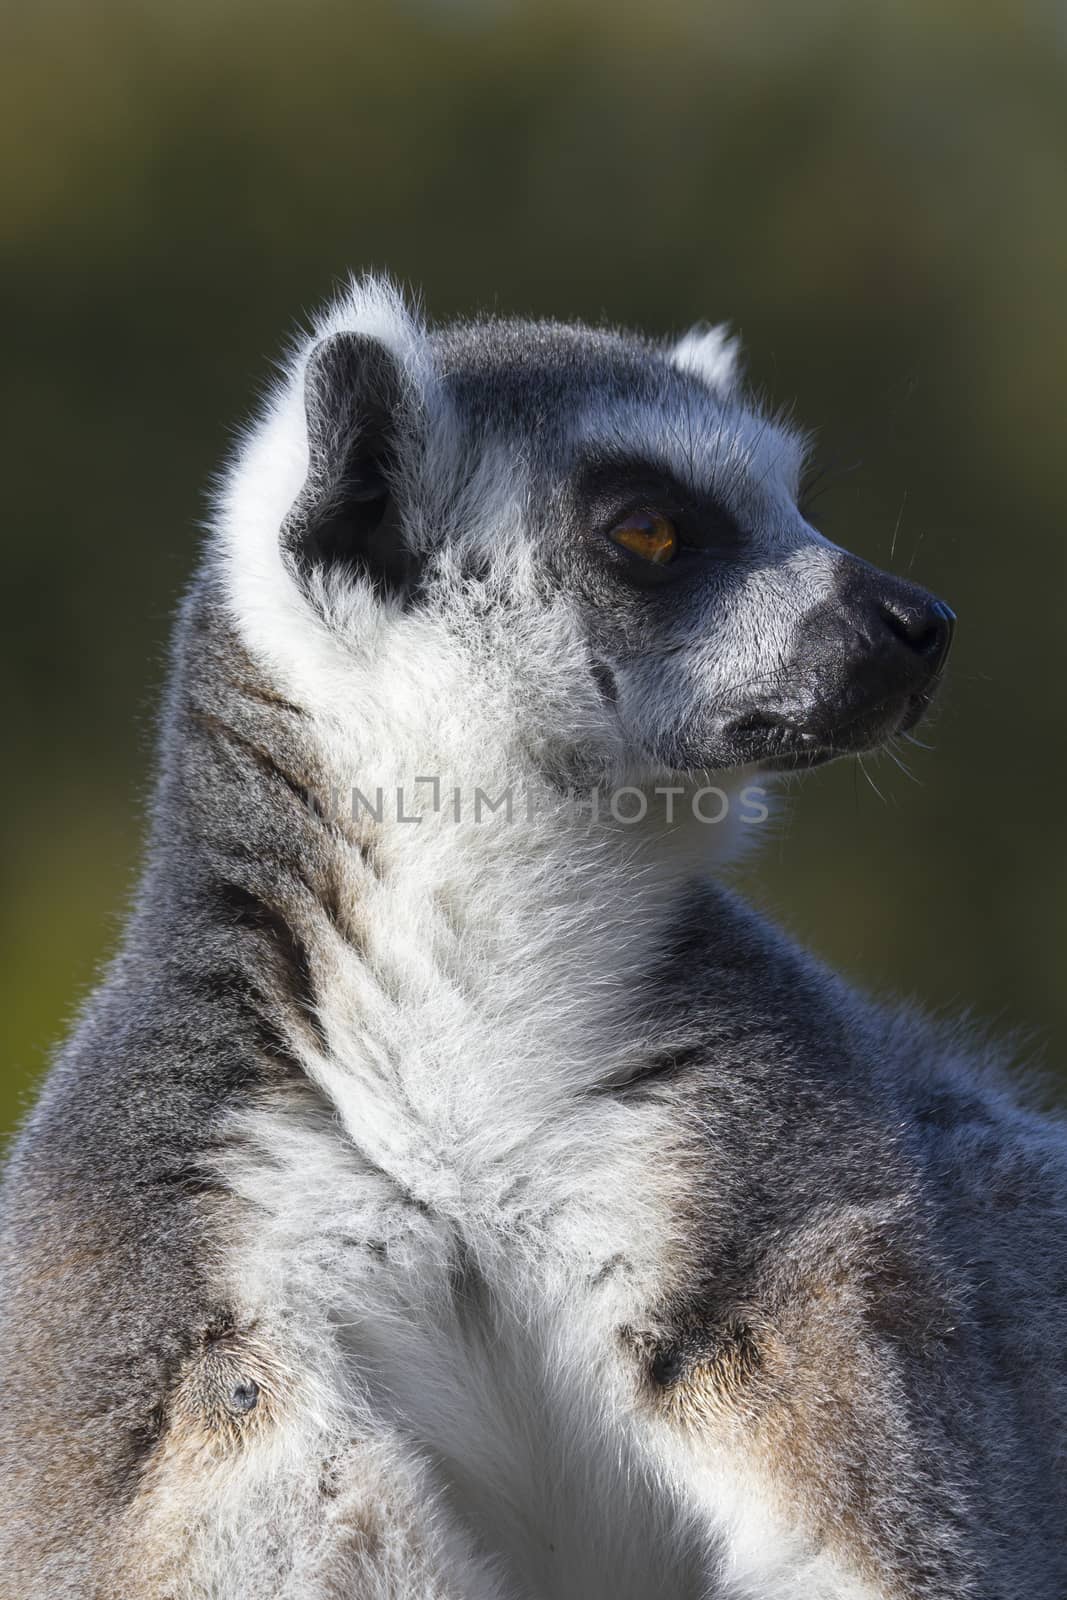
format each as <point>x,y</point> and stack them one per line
<point>446,1197</point>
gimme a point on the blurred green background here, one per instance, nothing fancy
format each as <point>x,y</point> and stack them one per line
<point>876,196</point>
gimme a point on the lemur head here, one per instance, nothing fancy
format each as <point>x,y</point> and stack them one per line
<point>588,538</point>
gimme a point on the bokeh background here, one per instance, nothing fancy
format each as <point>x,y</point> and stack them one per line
<point>875,195</point>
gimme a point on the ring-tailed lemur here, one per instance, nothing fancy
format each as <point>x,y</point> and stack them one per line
<point>436,1202</point>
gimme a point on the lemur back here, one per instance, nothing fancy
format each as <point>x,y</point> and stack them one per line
<point>453,1189</point>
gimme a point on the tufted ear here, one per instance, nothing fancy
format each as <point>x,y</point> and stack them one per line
<point>711,354</point>
<point>345,518</point>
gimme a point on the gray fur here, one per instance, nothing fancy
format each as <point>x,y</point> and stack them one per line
<point>487,1210</point>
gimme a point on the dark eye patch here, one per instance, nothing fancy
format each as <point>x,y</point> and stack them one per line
<point>608,489</point>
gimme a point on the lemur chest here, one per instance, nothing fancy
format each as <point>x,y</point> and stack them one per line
<point>499,1328</point>
<point>487,1209</point>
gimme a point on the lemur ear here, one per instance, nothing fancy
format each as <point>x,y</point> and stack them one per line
<point>345,517</point>
<point>710,353</point>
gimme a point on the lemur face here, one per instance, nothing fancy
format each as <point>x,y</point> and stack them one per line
<point>499,477</point>
<point>729,631</point>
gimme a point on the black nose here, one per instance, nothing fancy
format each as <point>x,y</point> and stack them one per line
<point>919,621</point>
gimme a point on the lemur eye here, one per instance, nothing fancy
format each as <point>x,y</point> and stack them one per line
<point>648,534</point>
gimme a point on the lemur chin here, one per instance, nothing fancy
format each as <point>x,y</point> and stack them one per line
<point>434,1205</point>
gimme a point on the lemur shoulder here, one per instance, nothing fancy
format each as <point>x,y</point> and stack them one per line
<point>491,1206</point>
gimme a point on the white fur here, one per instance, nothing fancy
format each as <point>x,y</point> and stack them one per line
<point>711,353</point>
<point>259,491</point>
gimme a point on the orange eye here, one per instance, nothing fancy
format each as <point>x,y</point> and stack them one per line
<point>649,535</point>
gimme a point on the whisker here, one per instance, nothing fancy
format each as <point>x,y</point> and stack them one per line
<point>915,552</point>
<point>819,479</point>
<point>896,530</point>
<point>894,756</point>
<point>871,781</point>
